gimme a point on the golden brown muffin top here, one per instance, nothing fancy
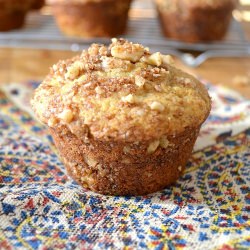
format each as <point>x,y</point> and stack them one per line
<point>120,92</point>
<point>182,4</point>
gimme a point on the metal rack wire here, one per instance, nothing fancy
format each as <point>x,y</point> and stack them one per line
<point>41,32</point>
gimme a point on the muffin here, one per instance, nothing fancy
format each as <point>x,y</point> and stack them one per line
<point>91,18</point>
<point>196,20</point>
<point>13,13</point>
<point>123,120</point>
<point>37,4</point>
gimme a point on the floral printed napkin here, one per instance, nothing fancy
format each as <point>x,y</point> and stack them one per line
<point>42,208</point>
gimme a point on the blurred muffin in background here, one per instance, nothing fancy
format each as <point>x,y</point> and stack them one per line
<point>91,18</point>
<point>196,20</point>
<point>12,13</point>
<point>37,4</point>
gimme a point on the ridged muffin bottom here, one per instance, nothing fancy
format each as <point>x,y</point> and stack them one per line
<point>121,168</point>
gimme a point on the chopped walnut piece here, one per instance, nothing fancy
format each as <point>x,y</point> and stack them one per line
<point>167,59</point>
<point>180,79</point>
<point>114,63</point>
<point>129,98</point>
<point>139,81</point>
<point>158,88</point>
<point>73,71</point>
<point>90,161</point>
<point>128,51</point>
<point>66,115</point>
<point>103,51</point>
<point>108,63</point>
<point>54,67</point>
<point>126,149</point>
<point>157,106</point>
<point>164,142</point>
<point>156,75</point>
<point>187,81</point>
<point>126,161</point>
<point>52,121</point>
<point>155,59</point>
<point>87,181</point>
<point>93,50</point>
<point>139,112</point>
<point>98,90</point>
<point>114,40</point>
<point>153,146</point>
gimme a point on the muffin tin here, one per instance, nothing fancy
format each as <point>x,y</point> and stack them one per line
<point>41,32</point>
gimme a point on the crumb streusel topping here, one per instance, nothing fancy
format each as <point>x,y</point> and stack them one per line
<point>120,92</point>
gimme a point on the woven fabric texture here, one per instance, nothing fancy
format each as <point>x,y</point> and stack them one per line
<point>42,208</point>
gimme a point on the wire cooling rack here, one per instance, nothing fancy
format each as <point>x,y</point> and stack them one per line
<point>41,32</point>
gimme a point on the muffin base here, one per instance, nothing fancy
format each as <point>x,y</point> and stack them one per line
<point>199,24</point>
<point>105,168</point>
<point>11,20</point>
<point>93,19</point>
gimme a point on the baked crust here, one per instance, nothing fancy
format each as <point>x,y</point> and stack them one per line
<point>122,168</point>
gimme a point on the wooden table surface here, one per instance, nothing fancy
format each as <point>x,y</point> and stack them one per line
<point>17,65</point>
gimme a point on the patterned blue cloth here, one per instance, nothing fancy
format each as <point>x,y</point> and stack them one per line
<point>42,208</point>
